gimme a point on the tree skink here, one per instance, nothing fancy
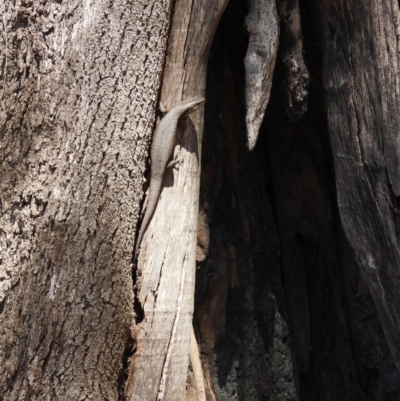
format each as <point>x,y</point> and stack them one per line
<point>163,144</point>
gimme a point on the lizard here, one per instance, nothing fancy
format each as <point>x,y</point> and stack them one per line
<point>163,144</point>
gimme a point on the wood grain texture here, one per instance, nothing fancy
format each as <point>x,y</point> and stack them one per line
<point>263,29</point>
<point>166,262</point>
<point>361,85</point>
<point>196,365</point>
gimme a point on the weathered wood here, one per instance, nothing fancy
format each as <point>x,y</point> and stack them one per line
<point>339,352</point>
<point>79,85</point>
<point>79,91</point>
<point>312,261</point>
<point>263,29</point>
<point>166,263</point>
<point>361,85</point>
<point>294,89</point>
<point>195,363</point>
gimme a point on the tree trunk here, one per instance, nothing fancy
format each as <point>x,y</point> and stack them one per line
<point>80,86</point>
<point>297,241</point>
<point>362,95</point>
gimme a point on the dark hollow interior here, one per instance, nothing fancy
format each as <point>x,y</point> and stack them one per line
<point>282,311</point>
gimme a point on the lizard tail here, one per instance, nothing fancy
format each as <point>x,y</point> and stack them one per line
<point>154,194</point>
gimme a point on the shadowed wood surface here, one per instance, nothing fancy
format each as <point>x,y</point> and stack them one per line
<point>361,86</point>
<point>297,254</point>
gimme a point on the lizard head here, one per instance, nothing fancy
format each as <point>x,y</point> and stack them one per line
<point>192,104</point>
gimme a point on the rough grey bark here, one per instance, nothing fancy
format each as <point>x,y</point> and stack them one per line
<point>79,88</point>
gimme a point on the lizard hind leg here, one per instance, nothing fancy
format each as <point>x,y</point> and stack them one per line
<point>177,160</point>
<point>175,163</point>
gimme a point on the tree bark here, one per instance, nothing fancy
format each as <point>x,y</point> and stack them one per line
<point>282,310</point>
<point>79,93</point>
